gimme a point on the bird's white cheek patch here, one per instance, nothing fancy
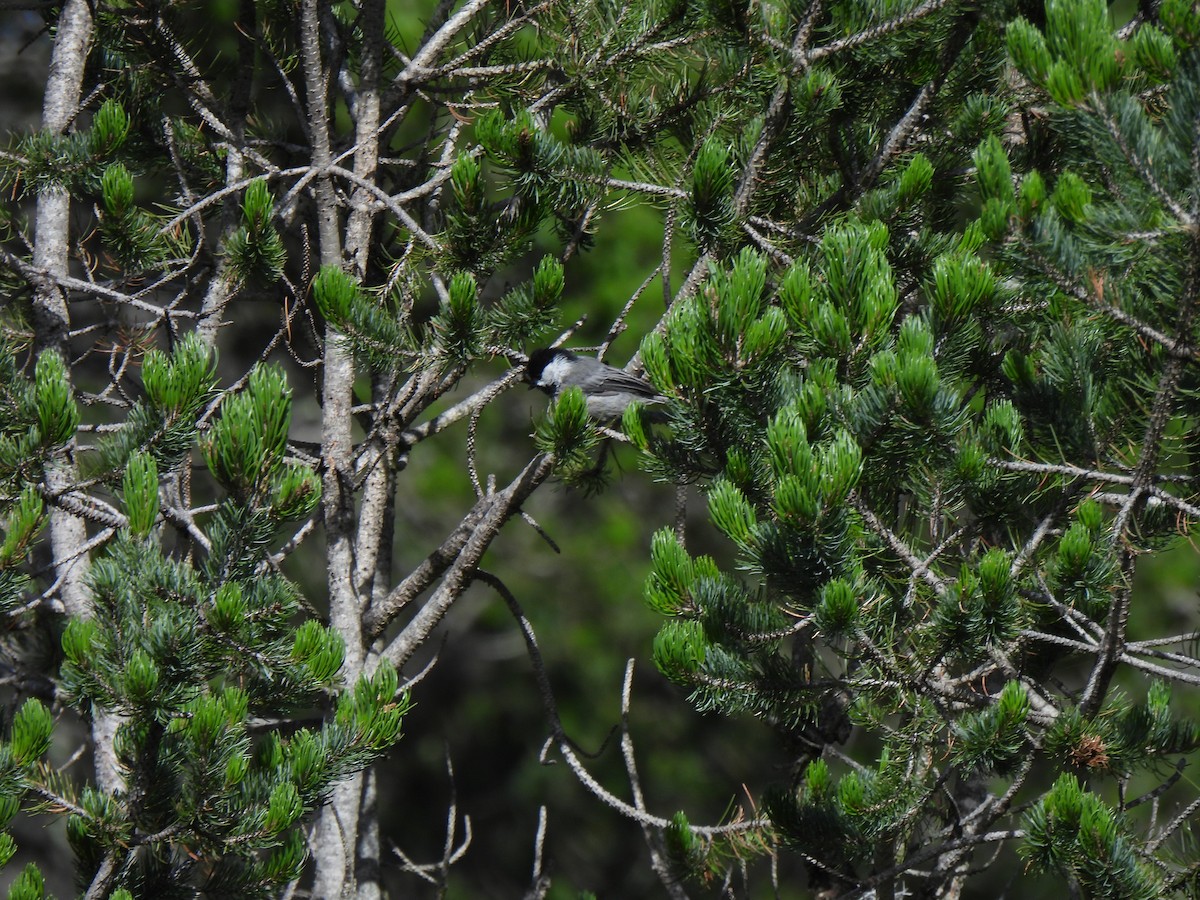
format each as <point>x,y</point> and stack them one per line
<point>554,373</point>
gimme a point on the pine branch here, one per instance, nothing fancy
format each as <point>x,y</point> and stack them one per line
<point>1148,457</point>
<point>805,58</point>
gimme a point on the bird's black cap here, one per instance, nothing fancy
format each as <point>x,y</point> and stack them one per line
<point>538,360</point>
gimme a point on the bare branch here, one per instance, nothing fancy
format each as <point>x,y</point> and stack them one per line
<point>496,510</point>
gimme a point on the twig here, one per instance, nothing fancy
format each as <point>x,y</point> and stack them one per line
<point>496,510</point>
<point>567,747</point>
<point>901,549</point>
<point>653,840</point>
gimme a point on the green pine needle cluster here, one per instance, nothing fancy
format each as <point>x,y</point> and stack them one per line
<point>188,655</point>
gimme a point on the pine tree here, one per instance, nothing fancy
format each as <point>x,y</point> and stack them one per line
<point>187,655</point>
<point>937,447</point>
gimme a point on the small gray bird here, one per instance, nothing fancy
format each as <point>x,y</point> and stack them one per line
<point>607,390</point>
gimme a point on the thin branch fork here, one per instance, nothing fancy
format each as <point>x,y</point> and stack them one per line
<point>1016,465</point>
<point>420,63</point>
<point>1144,168</point>
<point>460,410</point>
<point>653,840</point>
<point>1154,495</point>
<point>566,746</point>
<point>438,873</point>
<point>42,279</point>
<point>1126,657</point>
<point>1092,296</point>
<point>919,567</point>
<point>380,614</point>
<point>866,886</point>
<point>803,58</point>
<point>495,510</point>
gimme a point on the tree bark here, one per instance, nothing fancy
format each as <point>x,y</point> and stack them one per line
<point>52,326</point>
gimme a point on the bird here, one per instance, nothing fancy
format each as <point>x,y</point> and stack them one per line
<point>607,390</point>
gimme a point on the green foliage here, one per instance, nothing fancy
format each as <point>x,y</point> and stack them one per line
<point>76,162</point>
<point>836,613</point>
<point>461,329</point>
<point>930,288</point>
<point>982,609</point>
<point>374,711</point>
<point>370,327</point>
<point>704,859</point>
<point>569,435</point>
<point>246,444</point>
<point>110,127</point>
<point>841,820</point>
<point>164,423</point>
<point>141,493</point>
<point>995,739</point>
<point>167,649</point>
<point>473,236</point>
<point>22,523</point>
<point>1072,831</point>
<point>320,650</point>
<point>903,483</point>
<point>31,729</point>
<point>58,416</point>
<point>133,236</point>
<point>458,325</point>
<point>1124,737</point>
<point>679,651</point>
<point>710,211</point>
<point>38,418</point>
<point>185,650</point>
<point>684,848</point>
<point>673,573</point>
<point>255,252</point>
<point>29,885</point>
<point>535,162</point>
<point>539,177</point>
<point>528,310</point>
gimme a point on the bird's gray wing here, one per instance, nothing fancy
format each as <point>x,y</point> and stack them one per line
<point>616,381</point>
